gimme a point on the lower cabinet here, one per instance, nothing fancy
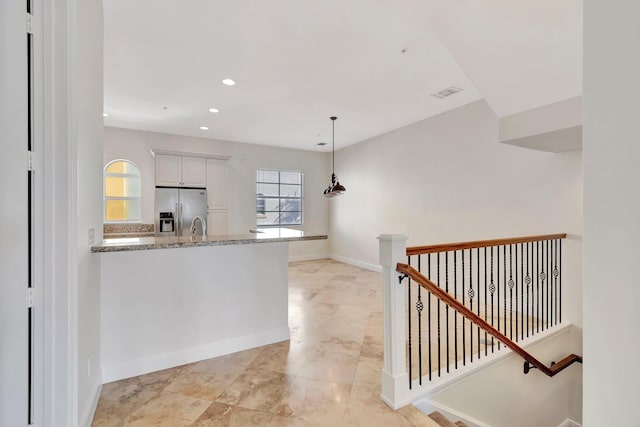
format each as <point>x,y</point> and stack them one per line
<point>217,221</point>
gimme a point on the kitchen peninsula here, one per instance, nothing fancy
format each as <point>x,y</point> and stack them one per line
<point>167,301</point>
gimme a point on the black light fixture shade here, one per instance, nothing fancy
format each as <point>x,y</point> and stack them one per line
<point>335,188</point>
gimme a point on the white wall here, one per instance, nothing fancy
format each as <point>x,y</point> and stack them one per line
<point>448,179</point>
<point>14,217</point>
<point>86,132</point>
<point>221,300</point>
<point>245,159</point>
<point>611,213</point>
<point>503,396</point>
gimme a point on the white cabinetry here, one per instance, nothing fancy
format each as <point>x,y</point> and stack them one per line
<point>217,213</point>
<point>178,171</point>
<point>217,222</point>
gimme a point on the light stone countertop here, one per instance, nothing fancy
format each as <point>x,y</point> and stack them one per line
<point>264,235</point>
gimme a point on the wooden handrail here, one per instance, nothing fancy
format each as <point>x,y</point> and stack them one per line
<point>456,305</point>
<point>430,249</point>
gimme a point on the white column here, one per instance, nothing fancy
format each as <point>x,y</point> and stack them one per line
<point>395,379</point>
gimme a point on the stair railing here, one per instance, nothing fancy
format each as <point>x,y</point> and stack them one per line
<point>530,361</point>
<point>462,302</point>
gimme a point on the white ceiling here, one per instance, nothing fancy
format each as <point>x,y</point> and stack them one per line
<point>297,62</point>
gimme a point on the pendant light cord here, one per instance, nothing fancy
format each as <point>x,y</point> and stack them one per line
<point>333,148</point>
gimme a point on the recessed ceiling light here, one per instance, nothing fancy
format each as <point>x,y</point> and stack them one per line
<point>214,110</point>
<point>105,115</point>
<point>204,128</point>
<point>228,82</point>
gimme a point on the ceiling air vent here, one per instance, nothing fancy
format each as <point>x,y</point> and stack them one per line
<point>322,143</point>
<point>446,92</point>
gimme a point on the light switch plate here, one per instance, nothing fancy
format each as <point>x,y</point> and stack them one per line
<point>92,235</point>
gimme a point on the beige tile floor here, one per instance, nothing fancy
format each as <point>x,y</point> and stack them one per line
<point>328,374</point>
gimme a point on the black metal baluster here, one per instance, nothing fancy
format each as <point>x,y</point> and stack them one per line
<point>528,282</point>
<point>505,281</point>
<point>409,313</point>
<point>543,278</point>
<point>471,294</point>
<point>511,284</point>
<point>478,299</point>
<point>498,288</point>
<point>464,320</point>
<point>446,309</point>
<point>522,290</point>
<point>419,307</point>
<point>486,341</point>
<point>537,287</point>
<point>555,278</point>
<point>560,278</point>
<point>492,288</point>
<point>455,312</point>
<point>429,313</point>
<point>511,299</point>
<point>550,275</point>
<point>438,273</point>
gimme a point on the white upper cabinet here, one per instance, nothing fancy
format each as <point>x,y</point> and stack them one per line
<point>216,184</point>
<point>177,171</point>
<point>194,172</point>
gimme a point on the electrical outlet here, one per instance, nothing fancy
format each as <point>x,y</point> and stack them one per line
<point>92,235</point>
<point>88,366</point>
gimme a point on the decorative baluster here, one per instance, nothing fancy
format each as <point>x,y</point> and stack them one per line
<point>464,320</point>
<point>511,285</point>
<point>516,286</point>
<point>471,293</point>
<point>556,273</point>
<point>429,313</point>
<point>419,308</point>
<point>438,273</point>
<point>478,298</point>
<point>504,284</point>
<point>409,328</point>
<point>455,312</point>
<point>486,347</point>
<point>527,280</point>
<point>550,275</point>
<point>560,278</point>
<point>498,288</point>
<point>446,285</point>
<point>492,289</point>
<point>521,291</point>
<point>543,279</point>
<point>537,287</point>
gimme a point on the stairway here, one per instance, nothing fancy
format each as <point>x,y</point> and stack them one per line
<point>434,419</point>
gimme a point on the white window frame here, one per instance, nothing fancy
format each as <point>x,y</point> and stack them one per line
<point>279,197</point>
<point>104,192</point>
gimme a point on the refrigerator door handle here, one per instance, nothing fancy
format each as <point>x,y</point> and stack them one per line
<point>177,230</point>
<point>181,225</point>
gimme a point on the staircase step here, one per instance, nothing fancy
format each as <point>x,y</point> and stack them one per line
<point>461,424</point>
<point>441,419</point>
<point>416,417</point>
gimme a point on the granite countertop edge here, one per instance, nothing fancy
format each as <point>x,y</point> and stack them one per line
<point>108,246</point>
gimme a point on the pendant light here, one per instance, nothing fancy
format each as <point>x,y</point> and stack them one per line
<point>335,188</point>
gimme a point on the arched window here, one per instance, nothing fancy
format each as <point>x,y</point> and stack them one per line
<point>122,192</point>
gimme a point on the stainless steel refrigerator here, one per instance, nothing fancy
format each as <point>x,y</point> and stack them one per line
<point>178,207</point>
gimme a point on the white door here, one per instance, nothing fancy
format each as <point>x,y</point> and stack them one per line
<point>14,217</point>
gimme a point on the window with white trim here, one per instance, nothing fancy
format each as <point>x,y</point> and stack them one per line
<point>278,198</point>
<point>122,192</point>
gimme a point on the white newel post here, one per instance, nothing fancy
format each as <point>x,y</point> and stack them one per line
<point>395,380</point>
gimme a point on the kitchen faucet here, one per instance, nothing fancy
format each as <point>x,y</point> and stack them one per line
<point>193,226</point>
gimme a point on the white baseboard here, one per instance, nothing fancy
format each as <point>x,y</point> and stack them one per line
<point>310,257</point>
<point>193,354</point>
<point>569,423</point>
<point>367,266</point>
<point>87,418</point>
